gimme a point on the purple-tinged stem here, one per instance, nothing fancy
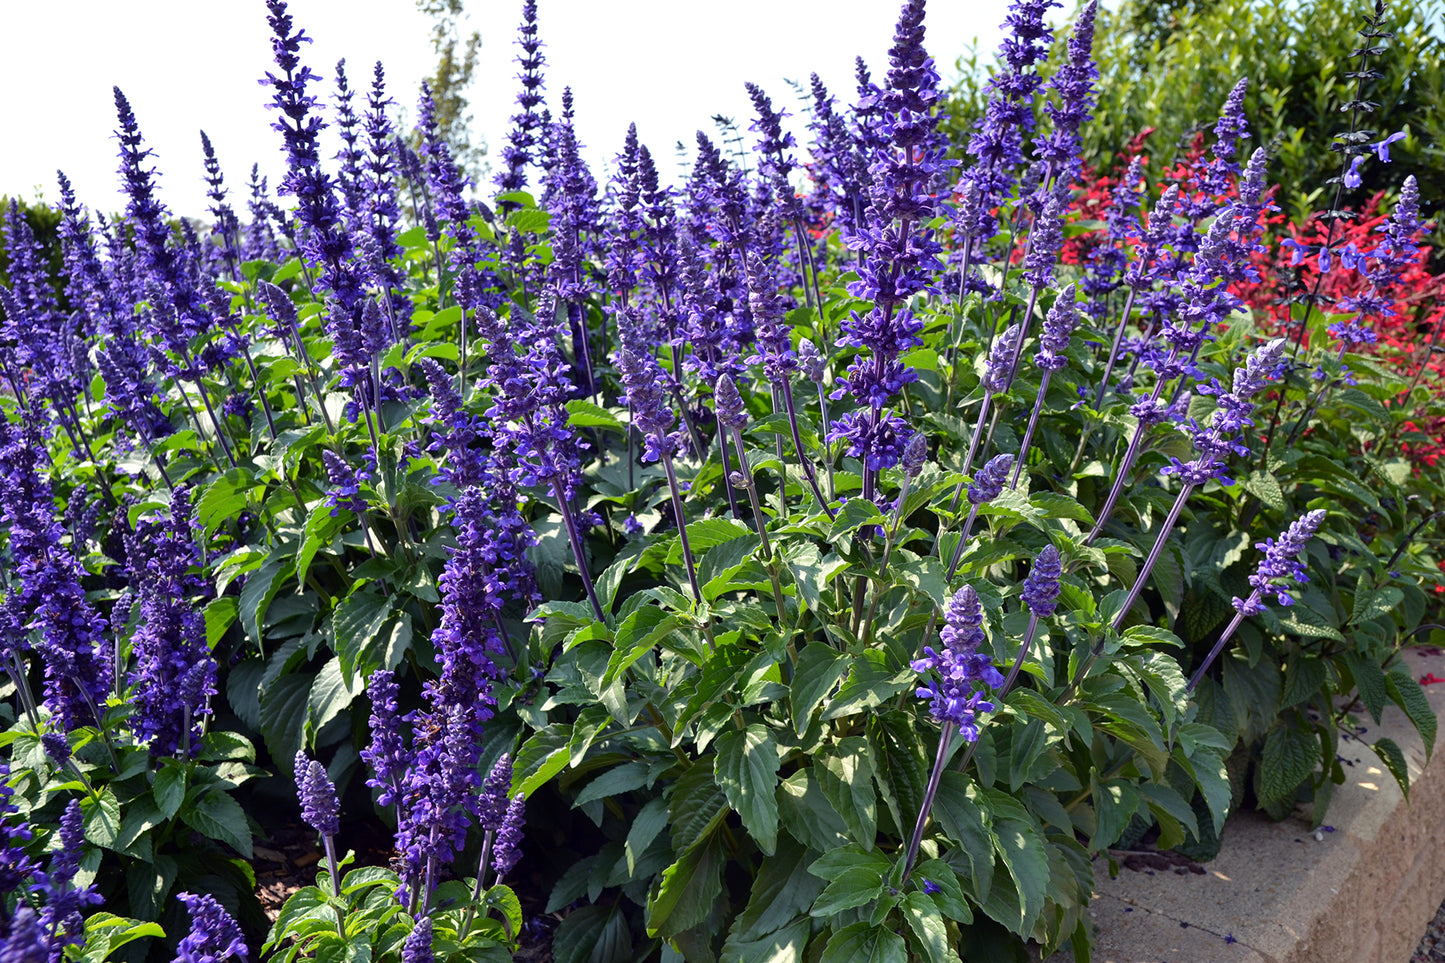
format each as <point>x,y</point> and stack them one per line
<point>803,459</point>
<point>1029,432</point>
<point>578,553</point>
<point>1219,646</point>
<point>945,738</point>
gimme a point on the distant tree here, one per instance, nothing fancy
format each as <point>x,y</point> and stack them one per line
<point>456,63</point>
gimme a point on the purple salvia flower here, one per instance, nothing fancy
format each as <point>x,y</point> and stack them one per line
<point>1231,417</point>
<point>915,455</point>
<point>417,947</point>
<point>1281,564</point>
<point>324,242</point>
<point>731,411</point>
<point>522,137</point>
<point>379,172</point>
<point>990,480</point>
<point>65,902</point>
<point>170,637</point>
<point>386,754</point>
<point>345,491</point>
<point>320,808</point>
<point>213,936</point>
<point>57,747</point>
<point>1041,589</point>
<point>1058,329</point>
<point>226,226</point>
<point>348,177</point>
<point>1232,127</point>
<point>1073,81</point>
<point>644,392</point>
<point>45,591</point>
<point>997,141</point>
<point>997,368</point>
<point>492,810</point>
<point>965,674</point>
<point>15,864</point>
<point>29,941</point>
<point>1045,242</point>
<point>507,849</point>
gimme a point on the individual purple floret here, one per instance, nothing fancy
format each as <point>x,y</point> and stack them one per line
<point>990,480</point>
<point>506,851</point>
<point>731,411</point>
<point>320,808</point>
<point>1280,564</point>
<point>1041,589</point>
<point>213,937</point>
<point>965,674</point>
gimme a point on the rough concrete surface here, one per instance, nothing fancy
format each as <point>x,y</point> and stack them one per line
<point>1281,893</point>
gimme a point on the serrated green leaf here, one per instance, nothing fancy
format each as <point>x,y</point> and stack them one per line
<point>100,818</point>
<point>1393,759</point>
<point>926,921</point>
<point>329,694</point>
<point>747,771</point>
<point>582,413</point>
<point>818,670</point>
<point>257,593</point>
<point>1406,693</point>
<point>357,621</point>
<point>688,890</point>
<point>283,715</point>
<point>220,613</point>
<point>865,943</point>
<point>1290,755</point>
<point>218,816</point>
<point>169,789</point>
<point>849,889</point>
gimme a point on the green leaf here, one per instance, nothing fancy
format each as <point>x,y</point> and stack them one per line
<point>356,623</point>
<point>747,772</point>
<point>1264,486</point>
<point>965,824</point>
<point>592,934</point>
<point>170,788</point>
<point>1290,755</point>
<point>1054,505</point>
<point>217,816</point>
<point>224,499</point>
<point>614,782</point>
<point>1369,682</point>
<point>871,681</point>
<point>541,757</point>
<point>865,943</point>
<point>926,922</point>
<point>582,413</point>
<point>853,887</point>
<point>818,669</point>
<point>322,524</point>
<point>1115,803</point>
<point>806,813</point>
<point>650,820</point>
<point>856,513</point>
<point>1370,604</point>
<point>636,636</point>
<point>256,595</point>
<point>220,613</point>
<point>101,818</point>
<point>1406,693</point>
<point>283,715</point>
<point>328,696</point>
<point>1394,760</point>
<point>529,220</point>
<point>1021,850</point>
<point>688,890</point>
<point>846,778</point>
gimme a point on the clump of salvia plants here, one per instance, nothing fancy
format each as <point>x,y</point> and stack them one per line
<point>828,556</point>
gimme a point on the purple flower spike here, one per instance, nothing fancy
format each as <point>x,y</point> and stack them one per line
<point>914,455</point>
<point>345,491</point>
<point>1041,589</point>
<point>319,806</point>
<point>214,936</point>
<point>1281,564</point>
<point>1058,327</point>
<point>417,948</point>
<point>965,673</point>
<point>997,370</point>
<point>506,851</point>
<point>991,478</point>
<point>493,808</point>
<point>731,412</point>
<point>811,361</point>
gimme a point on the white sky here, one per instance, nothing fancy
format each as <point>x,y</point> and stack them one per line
<point>187,65</point>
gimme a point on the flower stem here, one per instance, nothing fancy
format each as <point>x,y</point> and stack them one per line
<point>945,738</point>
